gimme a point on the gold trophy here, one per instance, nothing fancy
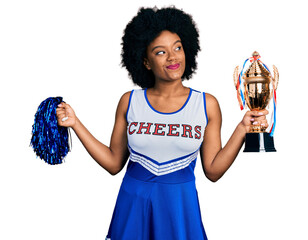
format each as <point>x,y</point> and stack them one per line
<point>259,87</point>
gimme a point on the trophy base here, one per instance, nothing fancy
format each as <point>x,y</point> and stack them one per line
<point>259,142</point>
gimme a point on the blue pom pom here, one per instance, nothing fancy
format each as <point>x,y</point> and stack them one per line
<point>49,141</point>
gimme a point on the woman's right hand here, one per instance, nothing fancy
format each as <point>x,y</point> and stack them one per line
<point>66,115</point>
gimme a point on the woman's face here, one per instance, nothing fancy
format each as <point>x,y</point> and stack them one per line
<point>166,57</point>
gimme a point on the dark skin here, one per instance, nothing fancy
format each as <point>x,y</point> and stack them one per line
<point>166,58</point>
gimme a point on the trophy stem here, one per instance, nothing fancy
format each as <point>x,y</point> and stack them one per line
<point>259,142</point>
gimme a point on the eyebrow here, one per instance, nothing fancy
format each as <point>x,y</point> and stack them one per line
<point>163,46</point>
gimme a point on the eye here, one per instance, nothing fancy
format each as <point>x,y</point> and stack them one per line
<point>160,53</point>
<point>178,48</point>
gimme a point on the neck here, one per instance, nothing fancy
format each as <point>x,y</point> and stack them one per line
<point>168,88</point>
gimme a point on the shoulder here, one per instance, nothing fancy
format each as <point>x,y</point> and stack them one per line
<point>123,103</point>
<point>210,100</point>
<point>212,106</point>
<point>208,97</point>
<point>125,97</point>
<point>124,100</point>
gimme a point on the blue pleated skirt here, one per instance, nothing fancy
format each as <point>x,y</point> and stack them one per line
<point>153,207</point>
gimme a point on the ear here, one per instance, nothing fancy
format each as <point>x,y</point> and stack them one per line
<point>146,63</point>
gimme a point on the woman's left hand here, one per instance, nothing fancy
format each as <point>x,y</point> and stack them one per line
<point>255,118</point>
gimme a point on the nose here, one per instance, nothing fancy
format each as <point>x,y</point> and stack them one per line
<point>171,56</point>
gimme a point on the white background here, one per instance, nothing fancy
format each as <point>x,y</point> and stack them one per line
<point>72,49</point>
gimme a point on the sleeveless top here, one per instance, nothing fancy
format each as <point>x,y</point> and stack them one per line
<point>164,143</point>
<point>158,197</point>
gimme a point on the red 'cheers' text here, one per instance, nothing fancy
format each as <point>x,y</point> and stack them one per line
<point>162,129</point>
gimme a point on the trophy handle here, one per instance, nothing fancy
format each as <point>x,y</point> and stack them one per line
<point>270,96</point>
<point>235,76</point>
<point>275,78</point>
<point>238,87</point>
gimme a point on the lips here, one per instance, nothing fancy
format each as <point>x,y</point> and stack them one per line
<point>174,66</point>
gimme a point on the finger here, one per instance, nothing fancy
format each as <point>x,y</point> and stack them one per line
<point>64,119</point>
<point>256,123</point>
<point>257,113</point>
<point>60,107</point>
<point>262,122</point>
<point>264,111</point>
<point>66,106</point>
<point>60,111</point>
<point>62,104</point>
<point>260,113</point>
<point>61,115</point>
<point>63,107</point>
<point>63,124</point>
<point>260,118</point>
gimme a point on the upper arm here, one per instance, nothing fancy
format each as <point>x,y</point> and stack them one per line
<point>212,139</point>
<point>118,142</point>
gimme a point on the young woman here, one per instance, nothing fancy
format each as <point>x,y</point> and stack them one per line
<point>161,128</point>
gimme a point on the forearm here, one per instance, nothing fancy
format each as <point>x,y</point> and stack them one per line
<point>215,159</point>
<point>101,153</point>
<point>226,156</point>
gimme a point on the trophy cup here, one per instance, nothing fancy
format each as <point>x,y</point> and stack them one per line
<point>259,87</point>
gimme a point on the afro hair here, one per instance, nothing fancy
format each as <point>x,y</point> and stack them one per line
<point>144,28</point>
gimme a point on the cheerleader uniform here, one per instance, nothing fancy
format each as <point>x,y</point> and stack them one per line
<point>158,198</point>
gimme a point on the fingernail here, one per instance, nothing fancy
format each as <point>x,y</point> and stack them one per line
<point>64,119</point>
<point>262,124</point>
<point>252,119</point>
<point>261,113</point>
<point>255,123</point>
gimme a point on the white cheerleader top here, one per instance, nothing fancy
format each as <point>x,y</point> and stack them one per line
<point>161,142</point>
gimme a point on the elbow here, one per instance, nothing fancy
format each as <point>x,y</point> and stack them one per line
<point>213,174</point>
<point>213,177</point>
<point>114,171</point>
<point>116,164</point>
<point>113,167</point>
